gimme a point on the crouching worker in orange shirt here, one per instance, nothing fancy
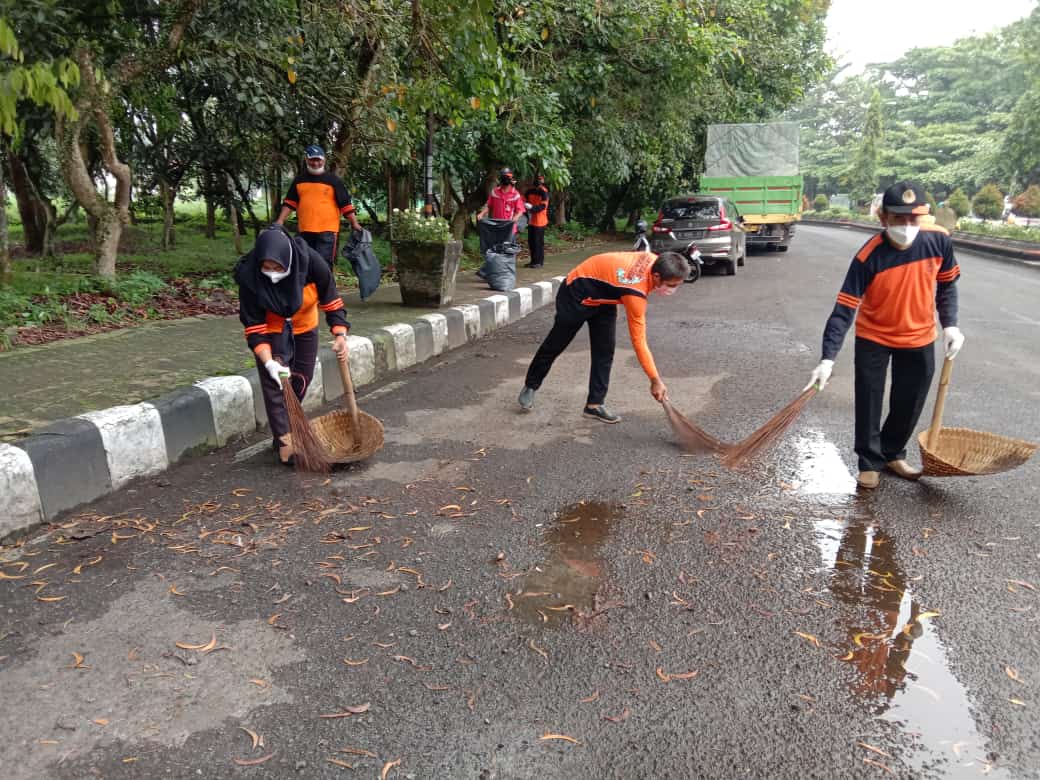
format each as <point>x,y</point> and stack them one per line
<point>282,283</point>
<point>590,295</point>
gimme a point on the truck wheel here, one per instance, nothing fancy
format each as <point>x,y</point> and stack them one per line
<point>781,248</point>
<point>740,261</point>
<point>731,268</point>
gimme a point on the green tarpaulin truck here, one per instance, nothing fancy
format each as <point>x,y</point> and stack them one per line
<point>756,167</point>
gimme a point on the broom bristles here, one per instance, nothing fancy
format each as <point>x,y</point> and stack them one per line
<point>691,438</point>
<point>741,453</point>
<point>310,454</point>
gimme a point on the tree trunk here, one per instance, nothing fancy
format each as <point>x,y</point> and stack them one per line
<point>169,196</point>
<point>606,223</point>
<point>211,216</point>
<point>233,218</point>
<point>400,188</point>
<point>558,200</point>
<point>31,210</point>
<point>5,248</point>
<point>109,230</point>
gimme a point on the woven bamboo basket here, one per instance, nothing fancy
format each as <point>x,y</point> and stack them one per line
<point>348,435</point>
<point>962,452</point>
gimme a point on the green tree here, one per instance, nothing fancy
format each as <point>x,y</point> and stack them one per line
<point>988,202</point>
<point>959,202</point>
<point>863,172</point>
<point>821,203</point>
<point>41,83</point>
<point>1028,203</point>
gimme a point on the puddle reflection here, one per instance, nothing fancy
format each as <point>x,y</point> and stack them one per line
<point>567,582</point>
<point>901,665</point>
<point>820,469</point>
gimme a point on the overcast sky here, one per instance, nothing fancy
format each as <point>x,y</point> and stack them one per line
<point>864,31</point>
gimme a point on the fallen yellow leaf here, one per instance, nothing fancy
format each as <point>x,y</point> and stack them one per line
<point>204,648</point>
<point>561,737</point>
<point>808,638</point>
<point>387,767</point>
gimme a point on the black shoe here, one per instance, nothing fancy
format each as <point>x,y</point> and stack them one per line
<point>600,413</point>
<point>291,462</point>
<point>535,265</point>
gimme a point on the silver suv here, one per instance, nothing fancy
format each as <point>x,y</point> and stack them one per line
<point>712,223</point>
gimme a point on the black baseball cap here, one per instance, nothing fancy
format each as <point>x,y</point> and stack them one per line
<point>905,197</point>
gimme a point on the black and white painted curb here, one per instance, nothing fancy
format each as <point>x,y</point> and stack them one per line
<point>81,458</point>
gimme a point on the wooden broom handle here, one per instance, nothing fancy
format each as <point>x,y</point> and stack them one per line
<point>940,402</point>
<point>349,401</point>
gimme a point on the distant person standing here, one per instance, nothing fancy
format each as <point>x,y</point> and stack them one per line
<point>505,201</point>
<point>320,199</point>
<point>537,198</point>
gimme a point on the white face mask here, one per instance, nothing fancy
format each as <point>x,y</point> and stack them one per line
<point>664,289</point>
<point>275,276</point>
<point>902,235</point>
<point>316,169</point>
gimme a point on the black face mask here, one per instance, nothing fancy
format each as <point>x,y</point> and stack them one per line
<point>505,181</point>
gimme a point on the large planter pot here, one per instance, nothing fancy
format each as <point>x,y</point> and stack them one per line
<point>426,272</point>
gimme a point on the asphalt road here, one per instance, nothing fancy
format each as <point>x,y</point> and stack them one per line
<point>508,595</point>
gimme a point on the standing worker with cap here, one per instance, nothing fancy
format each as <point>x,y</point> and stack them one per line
<point>591,294</point>
<point>537,198</point>
<point>319,198</point>
<point>895,284</point>
<point>505,201</point>
<point>282,283</point>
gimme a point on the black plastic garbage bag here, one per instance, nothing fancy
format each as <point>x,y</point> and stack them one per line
<point>499,269</point>
<point>495,231</point>
<point>358,250</point>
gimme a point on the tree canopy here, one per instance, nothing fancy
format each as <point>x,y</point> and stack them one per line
<point>609,98</point>
<point>959,116</point>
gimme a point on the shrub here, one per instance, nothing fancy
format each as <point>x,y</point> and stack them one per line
<point>959,202</point>
<point>412,225</point>
<point>134,288</point>
<point>821,203</point>
<point>1028,203</point>
<point>988,202</point>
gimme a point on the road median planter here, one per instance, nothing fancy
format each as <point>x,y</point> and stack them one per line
<point>426,272</point>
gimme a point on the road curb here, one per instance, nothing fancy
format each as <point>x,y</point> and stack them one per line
<point>1006,250</point>
<point>79,459</point>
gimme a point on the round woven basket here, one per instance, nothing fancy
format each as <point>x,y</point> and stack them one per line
<point>962,452</point>
<point>333,430</point>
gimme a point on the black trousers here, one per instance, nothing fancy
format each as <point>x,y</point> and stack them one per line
<point>324,244</point>
<point>536,244</point>
<point>299,353</point>
<point>912,372</point>
<point>571,314</point>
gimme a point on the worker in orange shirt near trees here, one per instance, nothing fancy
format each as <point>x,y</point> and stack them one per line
<point>537,198</point>
<point>319,198</point>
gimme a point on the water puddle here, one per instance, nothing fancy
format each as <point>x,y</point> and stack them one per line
<point>901,665</point>
<point>568,580</point>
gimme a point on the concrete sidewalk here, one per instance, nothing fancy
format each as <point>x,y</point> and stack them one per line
<point>66,378</point>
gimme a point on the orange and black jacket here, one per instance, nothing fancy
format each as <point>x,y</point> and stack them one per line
<point>893,294</point>
<point>618,278</point>
<point>265,308</point>
<point>538,197</point>
<point>319,201</point>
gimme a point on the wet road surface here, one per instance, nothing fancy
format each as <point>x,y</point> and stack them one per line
<point>508,595</point>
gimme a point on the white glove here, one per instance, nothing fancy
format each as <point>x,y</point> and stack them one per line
<point>276,370</point>
<point>820,375</point>
<point>953,340</point>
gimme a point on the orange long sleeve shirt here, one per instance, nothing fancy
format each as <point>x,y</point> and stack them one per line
<point>622,278</point>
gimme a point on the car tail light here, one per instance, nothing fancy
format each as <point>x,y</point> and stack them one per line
<point>658,227</point>
<point>724,224</point>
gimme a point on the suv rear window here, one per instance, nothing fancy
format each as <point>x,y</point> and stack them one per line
<point>691,209</point>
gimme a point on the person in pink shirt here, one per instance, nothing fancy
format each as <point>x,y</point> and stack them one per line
<point>505,200</point>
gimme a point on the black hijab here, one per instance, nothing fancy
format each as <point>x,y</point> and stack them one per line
<point>285,297</point>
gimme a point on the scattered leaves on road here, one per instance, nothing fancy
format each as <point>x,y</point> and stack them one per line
<point>254,761</point>
<point>387,767</point>
<point>665,677</point>
<point>78,662</point>
<point>810,638</point>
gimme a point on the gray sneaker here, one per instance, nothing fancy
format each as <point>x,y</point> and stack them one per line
<point>600,413</point>
<point>526,399</point>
